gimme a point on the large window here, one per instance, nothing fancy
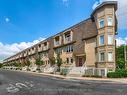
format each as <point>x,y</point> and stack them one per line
<point>68,48</point>
<point>102,57</point>
<point>110,56</point>
<point>110,39</point>
<point>101,40</point>
<point>110,21</point>
<point>101,23</point>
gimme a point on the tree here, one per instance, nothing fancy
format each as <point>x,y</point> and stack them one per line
<point>120,60</point>
<point>52,61</point>
<point>39,62</point>
<point>27,63</point>
<point>58,61</point>
<point>1,65</point>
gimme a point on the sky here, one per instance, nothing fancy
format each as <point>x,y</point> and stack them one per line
<point>24,23</point>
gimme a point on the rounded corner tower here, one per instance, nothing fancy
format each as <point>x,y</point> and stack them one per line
<point>104,17</point>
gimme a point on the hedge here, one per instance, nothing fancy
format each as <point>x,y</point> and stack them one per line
<point>117,74</point>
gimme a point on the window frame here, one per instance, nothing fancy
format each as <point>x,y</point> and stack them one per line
<point>110,39</point>
<point>111,57</point>
<point>100,44</point>
<point>100,24</point>
<point>110,21</point>
<point>100,57</point>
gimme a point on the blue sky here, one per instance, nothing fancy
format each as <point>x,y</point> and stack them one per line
<point>23,22</point>
<point>31,19</point>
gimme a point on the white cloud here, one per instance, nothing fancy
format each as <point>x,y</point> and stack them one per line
<point>7,19</point>
<point>121,41</point>
<point>121,12</point>
<point>65,2</point>
<point>7,50</point>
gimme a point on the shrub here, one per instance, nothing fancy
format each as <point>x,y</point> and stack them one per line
<point>117,74</point>
<point>64,71</point>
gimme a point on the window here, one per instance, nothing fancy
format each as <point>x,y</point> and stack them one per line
<point>102,57</point>
<point>101,40</point>
<point>68,48</point>
<point>67,60</point>
<point>110,39</point>
<point>101,23</point>
<point>71,60</point>
<point>58,51</point>
<point>110,21</point>
<point>110,56</point>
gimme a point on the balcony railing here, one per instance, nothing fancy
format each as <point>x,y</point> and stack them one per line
<point>45,47</point>
<point>56,43</point>
<point>68,39</point>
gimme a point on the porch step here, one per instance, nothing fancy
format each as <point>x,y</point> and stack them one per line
<point>75,71</point>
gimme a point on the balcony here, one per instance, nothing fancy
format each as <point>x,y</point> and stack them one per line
<point>46,46</point>
<point>57,41</point>
<point>39,47</point>
<point>33,50</point>
<point>68,37</point>
<point>25,54</point>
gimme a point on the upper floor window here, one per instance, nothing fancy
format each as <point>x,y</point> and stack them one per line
<point>58,51</point>
<point>110,56</point>
<point>110,39</point>
<point>110,21</point>
<point>57,41</point>
<point>101,40</point>
<point>101,23</point>
<point>102,57</point>
<point>68,37</point>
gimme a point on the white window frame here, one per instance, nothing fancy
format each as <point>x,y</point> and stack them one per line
<point>110,21</point>
<point>101,20</point>
<point>110,56</point>
<point>100,40</point>
<point>100,57</point>
<point>110,39</point>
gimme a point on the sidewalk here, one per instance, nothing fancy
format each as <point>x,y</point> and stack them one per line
<point>112,80</point>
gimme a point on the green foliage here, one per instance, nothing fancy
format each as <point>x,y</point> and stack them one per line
<point>1,65</point>
<point>39,62</point>
<point>52,61</point>
<point>118,74</point>
<point>27,63</point>
<point>120,61</point>
<point>64,71</point>
<point>58,61</point>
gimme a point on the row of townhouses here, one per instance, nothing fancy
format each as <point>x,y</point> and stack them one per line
<point>90,43</point>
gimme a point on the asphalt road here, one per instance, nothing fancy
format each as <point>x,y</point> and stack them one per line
<point>19,83</point>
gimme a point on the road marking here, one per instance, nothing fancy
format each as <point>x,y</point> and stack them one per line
<point>13,88</point>
<point>20,85</point>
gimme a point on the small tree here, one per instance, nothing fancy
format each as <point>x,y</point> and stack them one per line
<point>58,61</point>
<point>52,61</point>
<point>27,63</point>
<point>39,63</point>
<point>1,65</point>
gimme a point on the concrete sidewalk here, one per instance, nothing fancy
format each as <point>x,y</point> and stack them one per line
<point>113,80</point>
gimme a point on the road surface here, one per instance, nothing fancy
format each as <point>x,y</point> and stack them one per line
<point>20,83</point>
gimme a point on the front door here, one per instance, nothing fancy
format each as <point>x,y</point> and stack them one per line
<point>80,61</point>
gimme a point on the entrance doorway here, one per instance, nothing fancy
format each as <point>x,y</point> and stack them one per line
<point>80,61</point>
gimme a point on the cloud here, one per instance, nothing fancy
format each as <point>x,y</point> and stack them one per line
<point>7,50</point>
<point>7,19</point>
<point>121,41</point>
<point>121,12</point>
<point>65,2</point>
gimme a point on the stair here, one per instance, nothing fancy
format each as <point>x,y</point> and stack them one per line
<point>75,71</point>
